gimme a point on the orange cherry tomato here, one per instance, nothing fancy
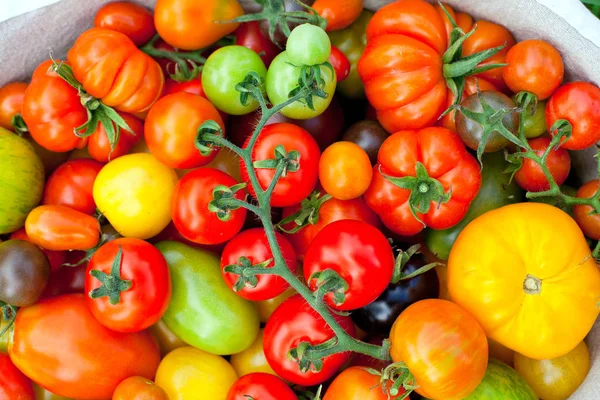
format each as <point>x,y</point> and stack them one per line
<point>11,103</point>
<point>345,170</point>
<point>128,18</point>
<point>339,14</point>
<point>56,227</point>
<point>589,223</point>
<point>357,383</point>
<point>139,388</point>
<point>534,66</point>
<point>99,146</point>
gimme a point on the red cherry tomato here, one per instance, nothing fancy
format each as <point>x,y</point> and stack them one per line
<point>55,258</point>
<point>260,386</point>
<point>11,102</point>
<point>13,384</point>
<point>340,64</point>
<point>99,146</point>
<point>128,18</point>
<point>251,36</point>
<point>531,177</point>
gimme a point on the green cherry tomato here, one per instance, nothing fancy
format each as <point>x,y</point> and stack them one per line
<point>535,125</point>
<point>308,45</point>
<point>223,70</point>
<point>203,311</point>
<point>282,78</point>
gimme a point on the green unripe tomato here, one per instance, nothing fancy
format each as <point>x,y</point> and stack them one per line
<point>535,125</point>
<point>308,45</point>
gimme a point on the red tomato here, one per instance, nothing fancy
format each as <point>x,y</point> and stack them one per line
<point>578,103</point>
<point>253,245</point>
<point>293,322</point>
<point>71,185</point>
<point>251,36</point>
<point>445,160</point>
<point>55,258</point>
<point>531,177</point>
<point>588,222</point>
<point>62,228</point>
<point>260,386</point>
<point>359,253</point>
<point>99,145</point>
<point>135,21</point>
<point>189,207</point>
<point>340,64</point>
<point>61,346</point>
<point>356,383</point>
<point>13,384</point>
<point>172,126</point>
<point>11,103</point>
<point>67,279</point>
<point>293,186</point>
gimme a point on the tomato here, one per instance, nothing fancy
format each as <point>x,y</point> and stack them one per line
<point>445,160</point>
<point>589,223</point>
<point>267,307</point>
<point>99,145</point>
<point>11,101</point>
<point>282,78</point>
<point>440,343</point>
<point>111,68</point>
<point>295,185</point>
<point>59,344</point>
<point>357,383</point>
<point>293,322</point>
<point>340,64</point>
<point>536,255</point>
<point>139,388</point>
<point>535,125</point>
<point>260,386</point>
<point>223,70</point>
<point>135,21</point>
<point>71,185</point>
<point>52,110</point>
<point>252,360</point>
<point>13,384</point>
<point>189,25</point>
<point>203,311</point>
<point>67,279</point>
<point>193,86</point>
<point>339,15</point>
<point>172,126</point>
<point>134,193</point>
<point>557,378</point>
<point>534,66</point>
<point>190,211</point>
<point>167,340</point>
<point>501,382</point>
<point>57,228</point>
<point>308,45</point>
<point>187,372</point>
<point>345,170</point>
<point>369,135</point>
<point>531,177</point>
<point>359,253</point>
<point>578,103</point>
<point>55,258</point>
<point>250,35</point>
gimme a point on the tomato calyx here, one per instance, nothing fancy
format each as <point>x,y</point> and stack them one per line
<point>310,77</point>
<point>247,272</point>
<point>9,314</point>
<point>401,261</point>
<point>207,139</point>
<point>400,375</point>
<point>310,357</point>
<point>329,281</point>
<point>307,214</point>
<point>224,200</point>
<point>19,125</point>
<point>288,161</point>
<point>112,285</point>
<point>308,395</point>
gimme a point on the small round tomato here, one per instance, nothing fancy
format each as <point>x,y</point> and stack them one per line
<point>531,177</point>
<point>369,135</point>
<point>172,126</point>
<point>55,258</point>
<point>190,207</point>
<point>252,359</point>
<point>13,384</point>
<point>301,176</point>
<point>139,388</point>
<point>267,307</point>
<point>557,378</point>
<point>11,103</point>
<point>535,125</point>
<point>340,64</point>
<point>358,383</point>
<point>99,145</point>
<point>252,247</point>
<point>293,322</point>
<point>589,223</point>
<point>251,36</point>
<point>72,185</point>
<point>129,18</point>
<point>345,170</point>
<point>339,15</point>
<point>534,66</point>
<point>308,45</point>
<point>260,386</point>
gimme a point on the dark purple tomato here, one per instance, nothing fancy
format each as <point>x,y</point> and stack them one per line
<point>290,5</point>
<point>369,135</point>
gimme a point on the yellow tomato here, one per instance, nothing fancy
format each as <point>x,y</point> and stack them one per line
<point>526,273</point>
<point>167,340</point>
<point>558,378</point>
<point>191,374</point>
<point>252,359</point>
<point>266,307</point>
<point>134,194</point>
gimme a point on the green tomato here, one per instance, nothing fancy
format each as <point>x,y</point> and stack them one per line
<point>203,311</point>
<point>495,192</point>
<point>501,382</point>
<point>282,78</point>
<point>308,45</point>
<point>223,70</point>
<point>535,125</point>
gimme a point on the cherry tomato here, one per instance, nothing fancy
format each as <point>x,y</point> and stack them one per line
<point>13,384</point>
<point>345,170</point>
<point>99,145</point>
<point>252,359</point>
<point>357,383</point>
<point>293,322</point>
<point>260,386</point>
<point>251,36</point>
<point>139,388</point>
<point>59,228</point>
<point>55,258</point>
<point>190,212</point>
<point>11,103</point>
<point>293,186</point>
<point>128,18</point>
<point>589,223</point>
<point>531,177</point>
<point>369,135</point>
<point>308,44</point>
<point>339,15</point>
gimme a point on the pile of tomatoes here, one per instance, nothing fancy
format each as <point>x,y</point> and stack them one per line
<point>401,208</point>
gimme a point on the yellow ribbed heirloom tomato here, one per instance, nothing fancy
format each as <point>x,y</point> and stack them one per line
<point>525,272</point>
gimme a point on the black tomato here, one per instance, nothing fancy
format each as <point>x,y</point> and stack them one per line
<point>369,135</point>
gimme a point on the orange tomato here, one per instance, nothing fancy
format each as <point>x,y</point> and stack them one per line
<point>589,223</point>
<point>345,170</point>
<point>139,388</point>
<point>339,14</point>
<point>11,103</point>
<point>357,383</point>
<point>252,359</point>
<point>128,18</point>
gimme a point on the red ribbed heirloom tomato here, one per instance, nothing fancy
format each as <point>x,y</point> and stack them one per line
<point>359,253</point>
<point>430,170</point>
<point>61,346</point>
<point>260,386</point>
<point>128,285</point>
<point>128,18</point>
<point>292,323</point>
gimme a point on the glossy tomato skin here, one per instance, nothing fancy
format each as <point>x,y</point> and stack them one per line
<point>72,185</point>
<point>359,253</point>
<point>369,135</point>
<point>531,177</point>
<point>171,128</point>
<point>357,383</point>
<point>13,384</point>
<point>589,223</point>
<point>443,346</point>
<point>578,103</point>
<point>252,359</point>
<point>295,321</point>
<point>135,21</point>
<point>142,305</point>
<point>189,207</point>
<point>55,258</point>
<point>345,170</point>
<point>139,388</point>
<point>295,186</point>
<point>261,386</point>
<point>251,36</point>
<point>99,146</point>
<point>340,63</point>
<point>59,344</point>
<point>338,15</point>
<point>11,102</point>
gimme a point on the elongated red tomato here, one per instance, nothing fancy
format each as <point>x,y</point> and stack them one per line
<point>128,18</point>
<point>13,384</point>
